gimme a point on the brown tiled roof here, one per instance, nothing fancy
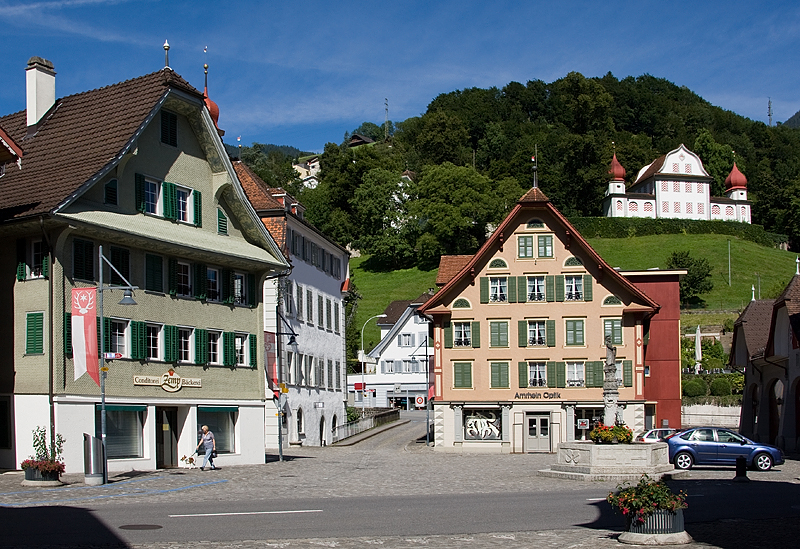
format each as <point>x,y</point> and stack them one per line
<point>256,190</point>
<point>534,195</point>
<point>755,322</point>
<point>76,139</point>
<point>789,298</point>
<point>394,311</point>
<point>449,266</point>
<point>651,169</point>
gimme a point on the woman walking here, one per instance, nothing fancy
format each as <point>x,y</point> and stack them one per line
<point>209,445</point>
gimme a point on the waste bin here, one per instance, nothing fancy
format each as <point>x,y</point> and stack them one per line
<point>93,460</point>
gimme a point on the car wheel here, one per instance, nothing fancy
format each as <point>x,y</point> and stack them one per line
<point>763,462</point>
<point>684,461</point>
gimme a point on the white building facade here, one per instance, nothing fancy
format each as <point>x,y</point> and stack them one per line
<point>398,378</point>
<point>676,186</point>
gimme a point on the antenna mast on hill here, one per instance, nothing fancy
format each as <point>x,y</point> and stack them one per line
<point>769,110</point>
<point>386,123</point>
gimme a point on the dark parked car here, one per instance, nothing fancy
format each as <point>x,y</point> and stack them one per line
<point>718,446</point>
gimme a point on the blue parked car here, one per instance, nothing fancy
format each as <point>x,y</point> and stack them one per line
<point>718,446</point>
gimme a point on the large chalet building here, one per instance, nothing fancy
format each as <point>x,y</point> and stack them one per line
<point>137,168</point>
<point>519,338</point>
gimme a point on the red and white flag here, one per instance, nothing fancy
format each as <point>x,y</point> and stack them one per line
<point>84,333</point>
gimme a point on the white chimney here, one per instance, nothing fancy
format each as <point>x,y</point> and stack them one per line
<point>40,80</point>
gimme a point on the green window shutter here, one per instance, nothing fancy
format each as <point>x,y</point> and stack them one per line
<point>154,273</point>
<point>561,374</point>
<point>170,343</point>
<point>228,349</point>
<point>599,373</point>
<point>549,288</point>
<point>83,259</point>
<point>496,367</point>
<point>475,334</point>
<point>106,340</point>
<point>198,208</point>
<point>22,271</point>
<point>511,284</point>
<point>46,266</point>
<point>551,374</point>
<point>447,328</point>
<point>587,287</point>
<point>627,373</point>
<point>170,200</point>
<point>462,375</point>
<point>253,351</point>
<point>139,192</point>
<point>522,289</point>
<point>138,340</point>
<point>559,282</point>
<point>522,333</point>
<point>67,332</point>
<point>172,276</point>
<point>121,259</point>
<point>222,222</point>
<point>484,283</point>
<point>251,292</point>
<point>646,339</point>
<point>200,280</point>
<point>34,335</point>
<point>504,381</point>
<point>617,332</point>
<point>200,346</point>
<point>550,332</point>
<point>588,374</point>
<point>522,372</point>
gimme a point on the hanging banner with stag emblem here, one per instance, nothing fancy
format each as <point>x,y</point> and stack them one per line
<point>84,333</point>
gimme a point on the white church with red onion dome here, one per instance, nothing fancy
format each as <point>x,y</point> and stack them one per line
<point>676,186</point>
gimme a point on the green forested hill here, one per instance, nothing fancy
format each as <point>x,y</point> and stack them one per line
<point>748,260</point>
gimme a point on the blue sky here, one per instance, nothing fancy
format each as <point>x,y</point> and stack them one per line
<point>303,73</point>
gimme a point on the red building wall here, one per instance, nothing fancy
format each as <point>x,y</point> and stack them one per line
<point>662,352</point>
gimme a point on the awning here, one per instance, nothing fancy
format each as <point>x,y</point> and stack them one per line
<point>217,408</point>
<point>122,407</point>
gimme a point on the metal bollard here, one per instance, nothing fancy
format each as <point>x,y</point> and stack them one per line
<point>741,470</point>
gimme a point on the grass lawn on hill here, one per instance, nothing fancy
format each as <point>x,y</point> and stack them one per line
<point>775,266</point>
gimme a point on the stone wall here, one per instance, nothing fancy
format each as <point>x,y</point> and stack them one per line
<point>708,414</point>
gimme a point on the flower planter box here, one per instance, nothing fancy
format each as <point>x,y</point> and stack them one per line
<point>660,522</point>
<point>37,475</point>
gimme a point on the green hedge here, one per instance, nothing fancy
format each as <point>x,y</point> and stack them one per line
<point>720,387</point>
<point>728,400</point>
<point>624,227</point>
<point>695,387</point>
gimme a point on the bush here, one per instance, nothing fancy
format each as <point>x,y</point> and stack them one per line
<point>638,502</point>
<point>353,414</point>
<point>720,387</point>
<point>695,387</point>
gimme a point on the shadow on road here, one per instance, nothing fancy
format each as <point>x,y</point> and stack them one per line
<point>53,527</point>
<point>268,458</point>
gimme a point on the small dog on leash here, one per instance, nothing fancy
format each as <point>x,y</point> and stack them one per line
<point>189,462</point>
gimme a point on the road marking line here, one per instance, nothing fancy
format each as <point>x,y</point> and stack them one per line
<point>248,513</point>
<point>595,499</point>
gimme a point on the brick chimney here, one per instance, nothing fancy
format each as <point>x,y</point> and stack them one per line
<point>40,80</point>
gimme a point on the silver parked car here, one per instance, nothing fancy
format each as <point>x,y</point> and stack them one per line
<point>654,435</point>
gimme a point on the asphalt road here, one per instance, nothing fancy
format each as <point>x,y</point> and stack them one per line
<point>389,486</point>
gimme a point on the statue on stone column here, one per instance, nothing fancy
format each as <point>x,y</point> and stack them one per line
<point>610,385</point>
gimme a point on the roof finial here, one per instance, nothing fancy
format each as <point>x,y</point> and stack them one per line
<point>614,147</point>
<point>166,54</point>
<point>753,290</point>
<point>797,269</point>
<point>535,165</point>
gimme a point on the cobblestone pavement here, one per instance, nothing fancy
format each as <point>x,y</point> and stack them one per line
<point>388,464</point>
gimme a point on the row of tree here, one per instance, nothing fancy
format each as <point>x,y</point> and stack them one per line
<point>467,160</point>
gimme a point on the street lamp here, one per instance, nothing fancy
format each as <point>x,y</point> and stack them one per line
<point>364,362</point>
<point>282,399</point>
<point>127,299</point>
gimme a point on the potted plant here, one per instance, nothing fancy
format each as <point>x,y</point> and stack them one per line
<point>47,464</point>
<point>649,507</point>
<point>606,434</point>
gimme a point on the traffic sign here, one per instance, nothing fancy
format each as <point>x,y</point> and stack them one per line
<point>112,356</point>
<point>420,400</point>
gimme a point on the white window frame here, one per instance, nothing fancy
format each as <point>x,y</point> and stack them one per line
<point>215,347</point>
<point>537,374</point>
<point>498,289</point>
<point>213,284</point>
<point>576,373</point>
<point>406,340</point>
<point>536,288</point>
<point>537,333</point>
<point>239,288</point>
<point>152,197</point>
<point>156,330</point>
<point>299,302</point>
<point>184,204</point>
<point>525,249</point>
<point>573,287</point>
<point>120,341</point>
<point>462,334</point>
<point>241,348</point>
<point>185,344</point>
<point>37,259</point>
